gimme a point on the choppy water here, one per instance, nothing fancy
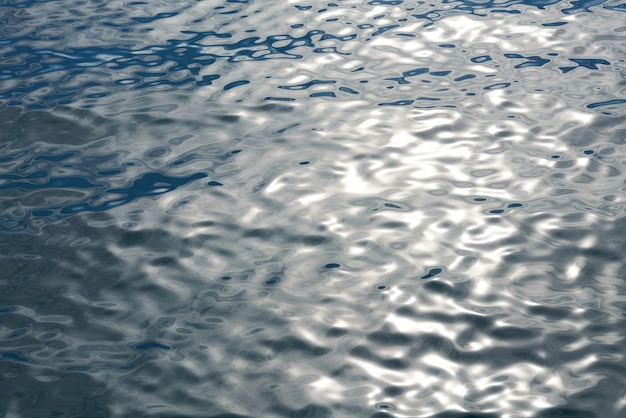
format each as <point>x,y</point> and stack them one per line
<point>312,209</point>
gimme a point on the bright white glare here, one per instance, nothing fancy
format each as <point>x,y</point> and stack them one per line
<point>505,32</point>
<point>574,268</point>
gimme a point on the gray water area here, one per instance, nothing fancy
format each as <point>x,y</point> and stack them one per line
<point>312,209</point>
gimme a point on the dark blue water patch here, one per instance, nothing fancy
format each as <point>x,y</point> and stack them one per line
<point>385,406</point>
<point>323,94</point>
<point>186,54</point>
<point>148,184</point>
<point>589,63</point>
<point>157,152</point>
<point>432,273</point>
<point>155,183</point>
<point>392,206</point>
<point>272,281</point>
<point>348,90</point>
<point>398,103</point>
<point>417,71</point>
<point>606,103</point>
<point>16,333</point>
<point>285,129</point>
<point>313,240</point>
<point>478,8</point>
<point>385,2</point>
<point>22,4</point>
<point>332,265</point>
<point>84,164</point>
<point>497,86</point>
<point>290,343</point>
<point>17,356</point>
<point>512,333</point>
<point>551,24</point>
<point>13,157</point>
<point>150,345</point>
<point>513,12</point>
<point>481,59</point>
<point>235,84</point>
<point>501,211</point>
<point>279,99</point>
<point>42,213</point>
<point>420,71</point>
<point>326,36</point>
<point>464,77</point>
<point>399,80</point>
<point>387,337</point>
<point>330,49</point>
<point>214,183</point>
<point>186,159</point>
<point>619,7</point>
<point>581,6</point>
<point>394,390</point>
<point>531,61</point>
<point>336,332</point>
<point>26,87</point>
<point>56,158</point>
<point>305,86</point>
<point>269,44</point>
<point>384,29</point>
<point>151,19</point>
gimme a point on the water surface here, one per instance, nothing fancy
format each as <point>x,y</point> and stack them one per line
<point>312,209</point>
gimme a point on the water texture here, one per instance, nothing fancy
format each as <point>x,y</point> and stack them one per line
<point>312,209</point>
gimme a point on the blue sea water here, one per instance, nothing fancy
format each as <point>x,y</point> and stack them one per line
<point>312,209</point>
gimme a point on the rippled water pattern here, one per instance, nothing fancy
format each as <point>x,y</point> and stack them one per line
<point>312,209</point>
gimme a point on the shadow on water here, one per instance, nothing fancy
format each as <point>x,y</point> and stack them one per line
<point>38,376</point>
<point>76,323</point>
<point>92,310</point>
<point>37,392</point>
